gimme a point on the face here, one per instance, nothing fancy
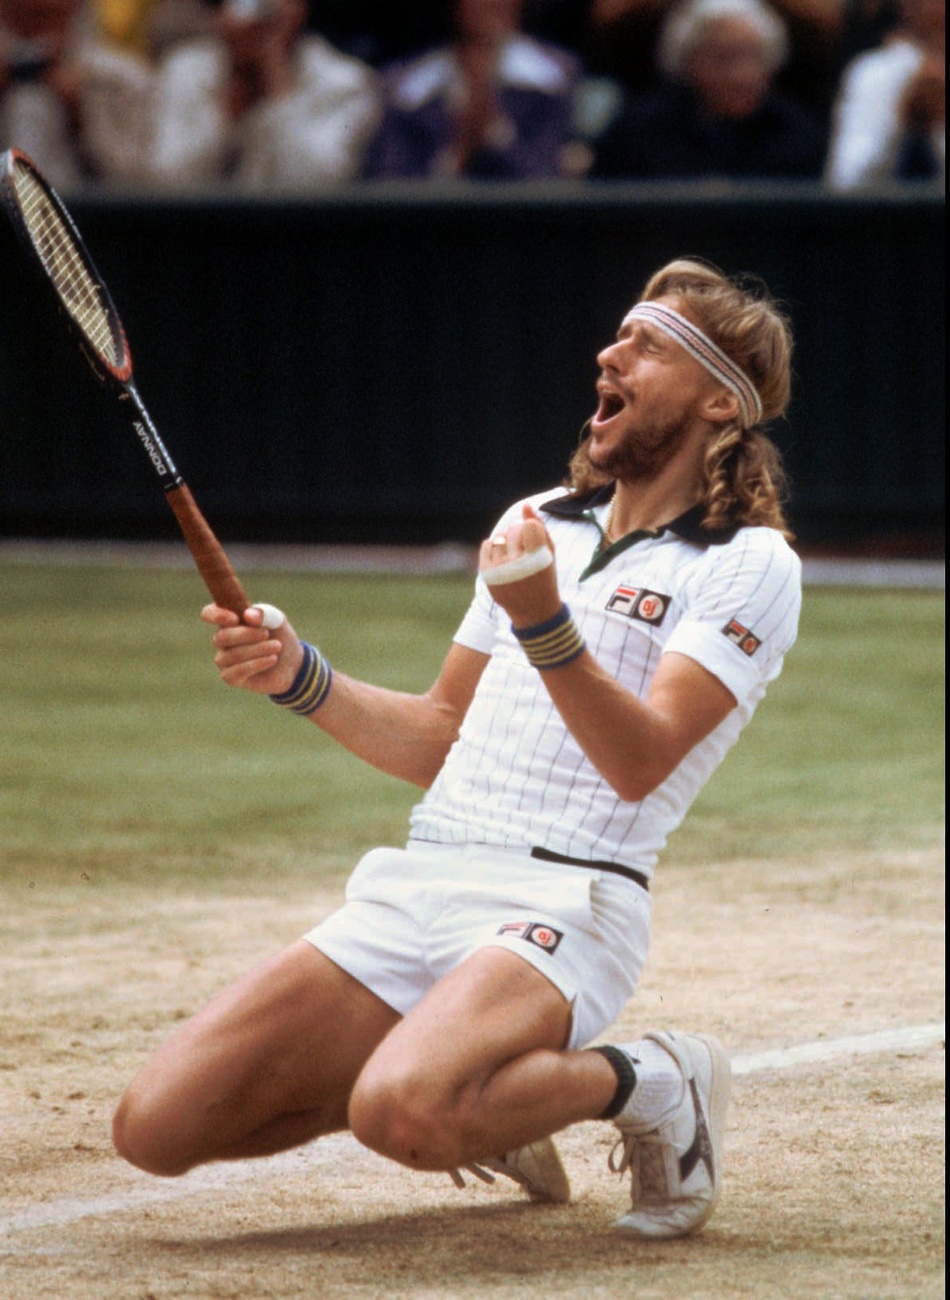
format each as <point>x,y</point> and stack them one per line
<point>487,20</point>
<point>651,395</point>
<point>729,68</point>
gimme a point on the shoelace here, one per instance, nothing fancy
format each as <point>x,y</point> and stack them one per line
<point>477,1170</point>
<point>627,1145</point>
<point>643,1156</point>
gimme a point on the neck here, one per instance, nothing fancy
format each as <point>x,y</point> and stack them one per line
<point>647,504</point>
<point>634,509</point>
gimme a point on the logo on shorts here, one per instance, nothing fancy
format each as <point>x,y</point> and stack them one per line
<point>637,602</point>
<point>747,641</point>
<point>542,936</point>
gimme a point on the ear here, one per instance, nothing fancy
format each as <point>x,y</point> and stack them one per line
<point>720,406</point>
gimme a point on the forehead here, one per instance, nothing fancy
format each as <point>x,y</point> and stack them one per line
<point>632,321</point>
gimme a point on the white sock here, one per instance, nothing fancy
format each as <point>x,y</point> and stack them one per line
<point>660,1084</point>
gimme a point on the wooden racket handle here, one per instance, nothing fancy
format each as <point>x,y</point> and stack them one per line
<point>207,552</point>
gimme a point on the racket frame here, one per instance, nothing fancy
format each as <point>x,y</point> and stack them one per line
<point>208,554</point>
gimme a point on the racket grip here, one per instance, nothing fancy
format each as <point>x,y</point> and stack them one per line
<point>207,552</point>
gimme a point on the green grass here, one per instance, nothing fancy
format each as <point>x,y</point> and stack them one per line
<point>846,751</point>
<point>123,758</point>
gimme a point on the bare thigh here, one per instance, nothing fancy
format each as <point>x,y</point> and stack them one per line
<point>268,1064</point>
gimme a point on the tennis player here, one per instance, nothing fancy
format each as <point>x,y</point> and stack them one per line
<point>621,634</point>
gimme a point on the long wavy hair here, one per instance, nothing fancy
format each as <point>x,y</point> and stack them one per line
<point>743,480</point>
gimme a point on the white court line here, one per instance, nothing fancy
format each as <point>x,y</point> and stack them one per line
<point>886,1040</point>
<point>340,1146</point>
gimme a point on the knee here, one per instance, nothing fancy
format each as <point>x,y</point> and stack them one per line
<point>142,1139</point>
<point>407,1120</point>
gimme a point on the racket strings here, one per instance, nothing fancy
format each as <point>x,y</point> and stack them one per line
<point>65,267</point>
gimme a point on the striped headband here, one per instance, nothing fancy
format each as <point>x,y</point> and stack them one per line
<point>700,346</point>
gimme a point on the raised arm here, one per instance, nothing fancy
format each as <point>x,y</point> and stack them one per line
<point>405,735</point>
<point>634,743</point>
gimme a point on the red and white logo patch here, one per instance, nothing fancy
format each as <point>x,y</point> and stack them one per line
<point>747,641</point>
<point>637,602</point>
<point>536,932</point>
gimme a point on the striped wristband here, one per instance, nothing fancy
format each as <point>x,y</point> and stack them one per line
<point>552,644</point>
<point>311,685</point>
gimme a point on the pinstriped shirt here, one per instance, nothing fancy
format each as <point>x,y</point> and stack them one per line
<point>515,776</point>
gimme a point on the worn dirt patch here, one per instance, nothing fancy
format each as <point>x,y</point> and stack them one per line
<point>834,1171</point>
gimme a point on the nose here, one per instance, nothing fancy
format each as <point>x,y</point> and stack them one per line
<point>609,357</point>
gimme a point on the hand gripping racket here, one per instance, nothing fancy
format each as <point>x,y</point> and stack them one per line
<point>56,250</point>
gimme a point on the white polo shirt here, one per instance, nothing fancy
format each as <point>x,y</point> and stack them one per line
<point>516,777</point>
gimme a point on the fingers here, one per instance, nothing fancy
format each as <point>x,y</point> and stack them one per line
<point>519,567</point>
<point>496,550</point>
<point>239,665</point>
<point>517,563</point>
<point>534,535</point>
<point>258,649</point>
<point>219,616</point>
<point>270,616</point>
<point>518,551</point>
<point>259,615</point>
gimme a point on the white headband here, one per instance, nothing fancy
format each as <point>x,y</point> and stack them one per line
<point>700,346</point>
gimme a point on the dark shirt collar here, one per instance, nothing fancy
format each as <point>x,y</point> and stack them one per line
<point>688,525</point>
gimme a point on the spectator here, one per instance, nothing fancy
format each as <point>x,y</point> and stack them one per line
<point>493,103</point>
<point>718,113</point>
<point>72,102</point>
<point>260,104</point>
<point>624,34</point>
<point>890,117</point>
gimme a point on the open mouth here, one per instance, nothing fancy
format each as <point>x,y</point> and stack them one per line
<point>611,404</point>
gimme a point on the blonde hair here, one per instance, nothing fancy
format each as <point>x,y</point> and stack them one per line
<point>744,482</point>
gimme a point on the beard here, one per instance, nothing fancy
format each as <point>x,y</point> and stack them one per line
<point>642,454</point>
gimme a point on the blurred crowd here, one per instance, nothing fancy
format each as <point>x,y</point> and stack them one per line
<point>277,96</point>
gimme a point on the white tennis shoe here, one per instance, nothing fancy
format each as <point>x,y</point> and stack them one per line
<point>537,1168</point>
<point>676,1164</point>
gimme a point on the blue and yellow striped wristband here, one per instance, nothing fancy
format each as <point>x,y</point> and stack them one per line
<point>552,644</point>
<point>310,687</point>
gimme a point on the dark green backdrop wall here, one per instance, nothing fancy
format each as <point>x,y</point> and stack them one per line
<point>397,363</point>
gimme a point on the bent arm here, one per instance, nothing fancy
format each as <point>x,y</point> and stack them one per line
<point>636,744</point>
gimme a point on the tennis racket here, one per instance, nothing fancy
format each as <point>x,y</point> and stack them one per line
<point>56,250</point>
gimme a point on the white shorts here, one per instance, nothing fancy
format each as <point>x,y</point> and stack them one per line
<point>412,915</point>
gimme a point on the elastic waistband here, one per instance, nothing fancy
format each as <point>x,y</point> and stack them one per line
<point>615,868</point>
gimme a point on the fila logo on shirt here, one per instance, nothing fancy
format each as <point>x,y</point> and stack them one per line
<point>543,936</point>
<point>637,602</point>
<point>747,641</point>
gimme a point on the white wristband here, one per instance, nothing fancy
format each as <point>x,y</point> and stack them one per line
<point>522,566</point>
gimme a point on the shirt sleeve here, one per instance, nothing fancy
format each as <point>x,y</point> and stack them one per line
<point>479,627</point>
<point>742,612</point>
